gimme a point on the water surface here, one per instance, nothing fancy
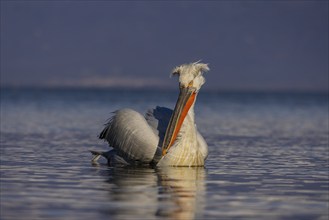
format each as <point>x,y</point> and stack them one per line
<point>268,158</point>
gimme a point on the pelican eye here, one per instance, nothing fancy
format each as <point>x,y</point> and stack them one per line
<point>186,86</point>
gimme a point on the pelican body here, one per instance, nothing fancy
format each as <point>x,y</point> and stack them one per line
<point>163,137</point>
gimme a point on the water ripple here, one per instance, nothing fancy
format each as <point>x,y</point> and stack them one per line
<point>267,160</point>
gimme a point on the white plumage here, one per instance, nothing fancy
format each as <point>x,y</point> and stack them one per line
<point>162,137</point>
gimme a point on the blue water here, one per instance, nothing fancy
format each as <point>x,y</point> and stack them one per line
<point>268,158</point>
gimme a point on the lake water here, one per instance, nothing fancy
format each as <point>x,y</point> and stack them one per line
<point>268,158</point>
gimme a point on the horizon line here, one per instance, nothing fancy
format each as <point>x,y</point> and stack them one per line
<point>166,88</point>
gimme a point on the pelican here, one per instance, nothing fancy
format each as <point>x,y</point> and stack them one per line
<point>163,137</point>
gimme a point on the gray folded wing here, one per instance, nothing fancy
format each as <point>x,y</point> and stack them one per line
<point>130,134</point>
<point>158,119</point>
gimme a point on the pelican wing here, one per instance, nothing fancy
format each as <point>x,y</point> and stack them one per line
<point>158,119</point>
<point>131,135</point>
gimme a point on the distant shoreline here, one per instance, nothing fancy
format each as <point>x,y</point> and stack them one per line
<point>160,89</point>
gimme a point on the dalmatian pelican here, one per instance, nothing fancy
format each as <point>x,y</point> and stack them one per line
<point>163,137</point>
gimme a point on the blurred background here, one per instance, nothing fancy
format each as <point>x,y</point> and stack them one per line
<point>66,65</point>
<point>250,45</point>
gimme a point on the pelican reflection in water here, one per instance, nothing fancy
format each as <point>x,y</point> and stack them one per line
<point>163,137</point>
<point>146,193</point>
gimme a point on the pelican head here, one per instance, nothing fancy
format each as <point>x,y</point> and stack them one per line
<point>190,81</point>
<point>191,75</point>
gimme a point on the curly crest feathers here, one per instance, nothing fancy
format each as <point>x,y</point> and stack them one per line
<point>195,68</point>
<point>191,72</point>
